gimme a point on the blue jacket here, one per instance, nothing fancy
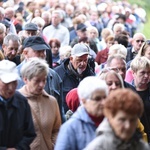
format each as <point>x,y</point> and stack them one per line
<point>53,87</point>
<point>77,132</point>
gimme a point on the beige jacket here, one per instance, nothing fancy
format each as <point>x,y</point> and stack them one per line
<point>46,118</point>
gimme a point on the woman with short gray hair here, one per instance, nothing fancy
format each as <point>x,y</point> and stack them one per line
<point>44,107</point>
<point>79,130</point>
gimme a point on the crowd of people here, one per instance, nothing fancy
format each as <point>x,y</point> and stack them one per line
<point>74,74</point>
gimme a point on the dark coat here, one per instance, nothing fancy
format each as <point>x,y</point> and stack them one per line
<point>69,79</point>
<point>16,124</point>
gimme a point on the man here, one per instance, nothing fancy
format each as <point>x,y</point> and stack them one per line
<point>118,64</point>
<point>17,130</point>
<point>137,42</point>
<point>10,48</point>
<point>35,46</point>
<point>56,30</point>
<point>30,29</point>
<point>74,69</point>
<point>81,33</point>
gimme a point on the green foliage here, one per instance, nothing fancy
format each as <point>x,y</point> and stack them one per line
<point>144,4</point>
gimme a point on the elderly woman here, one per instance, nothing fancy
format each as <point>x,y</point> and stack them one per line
<point>141,73</point>
<point>44,108</point>
<point>79,130</point>
<point>122,109</point>
<point>114,82</point>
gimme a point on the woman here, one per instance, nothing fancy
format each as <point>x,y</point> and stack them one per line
<point>44,108</point>
<point>122,109</point>
<point>141,81</point>
<point>144,51</point>
<point>114,82</point>
<point>55,45</point>
<point>79,130</point>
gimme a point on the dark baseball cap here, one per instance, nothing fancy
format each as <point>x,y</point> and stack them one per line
<point>31,27</point>
<point>81,27</point>
<point>36,43</point>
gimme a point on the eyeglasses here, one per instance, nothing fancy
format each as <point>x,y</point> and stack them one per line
<point>138,41</point>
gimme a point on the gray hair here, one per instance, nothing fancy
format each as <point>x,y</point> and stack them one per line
<point>33,67</point>
<point>12,37</point>
<point>89,85</point>
<point>38,21</point>
<point>118,49</point>
<point>2,28</point>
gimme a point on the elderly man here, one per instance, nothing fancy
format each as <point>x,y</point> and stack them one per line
<point>137,42</point>
<point>35,46</point>
<point>118,64</point>
<point>74,69</point>
<point>56,30</point>
<point>10,48</point>
<point>16,129</point>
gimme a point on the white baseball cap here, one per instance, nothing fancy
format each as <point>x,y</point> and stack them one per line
<point>8,71</point>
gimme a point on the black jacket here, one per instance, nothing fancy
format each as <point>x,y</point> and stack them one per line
<point>16,124</point>
<point>69,79</point>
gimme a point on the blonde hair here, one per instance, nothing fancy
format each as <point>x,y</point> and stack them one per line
<point>140,63</point>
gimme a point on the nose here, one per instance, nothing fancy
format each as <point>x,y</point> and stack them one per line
<point>42,84</point>
<point>113,86</point>
<point>127,124</point>
<point>13,52</point>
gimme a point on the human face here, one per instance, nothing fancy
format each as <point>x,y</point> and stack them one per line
<point>112,81</point>
<point>10,50</point>
<point>79,63</point>
<point>141,77</point>
<point>30,33</point>
<point>93,34</point>
<point>147,52</point>
<point>36,84</point>
<point>123,124</point>
<point>29,53</point>
<point>54,48</point>
<point>109,43</point>
<point>7,90</point>
<point>137,42</point>
<point>94,105</point>
<point>55,19</point>
<point>81,34</point>
<point>120,65</point>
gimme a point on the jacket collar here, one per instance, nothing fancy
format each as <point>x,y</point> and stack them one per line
<point>82,115</point>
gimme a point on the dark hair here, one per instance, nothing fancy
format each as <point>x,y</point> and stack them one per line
<point>122,39</point>
<point>121,16</point>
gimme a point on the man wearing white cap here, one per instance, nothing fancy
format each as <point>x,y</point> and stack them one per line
<point>16,125</point>
<point>74,69</point>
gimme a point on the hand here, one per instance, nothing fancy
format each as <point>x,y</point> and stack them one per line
<point>11,149</point>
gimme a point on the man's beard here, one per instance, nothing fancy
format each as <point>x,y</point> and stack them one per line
<point>80,71</point>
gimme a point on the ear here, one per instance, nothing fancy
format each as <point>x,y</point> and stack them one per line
<point>83,101</point>
<point>3,46</point>
<point>25,80</point>
<point>71,58</point>
<point>25,53</point>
